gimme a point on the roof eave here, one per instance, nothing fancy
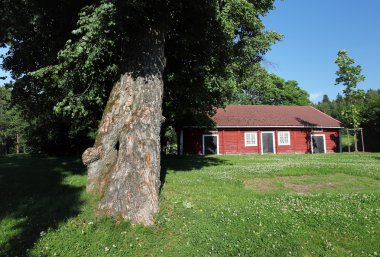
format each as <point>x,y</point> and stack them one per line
<point>316,127</point>
<point>274,126</point>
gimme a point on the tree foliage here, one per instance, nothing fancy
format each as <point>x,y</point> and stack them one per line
<point>369,106</point>
<point>34,32</point>
<point>349,76</point>
<point>12,125</point>
<point>325,105</point>
<point>66,55</point>
<point>87,65</point>
<point>371,116</point>
<point>256,86</point>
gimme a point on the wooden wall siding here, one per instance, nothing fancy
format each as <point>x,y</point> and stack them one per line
<point>301,141</point>
<point>192,140</point>
<point>228,141</point>
<point>231,141</point>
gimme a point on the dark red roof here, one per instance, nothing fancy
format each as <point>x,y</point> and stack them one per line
<point>270,115</point>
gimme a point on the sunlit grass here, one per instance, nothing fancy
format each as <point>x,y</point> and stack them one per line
<point>208,208</point>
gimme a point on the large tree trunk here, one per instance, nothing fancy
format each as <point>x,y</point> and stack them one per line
<point>124,164</point>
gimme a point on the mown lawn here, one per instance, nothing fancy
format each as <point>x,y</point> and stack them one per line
<point>279,205</point>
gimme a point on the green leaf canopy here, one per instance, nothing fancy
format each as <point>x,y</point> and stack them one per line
<point>66,55</point>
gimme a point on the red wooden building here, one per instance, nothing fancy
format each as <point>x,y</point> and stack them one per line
<point>262,129</point>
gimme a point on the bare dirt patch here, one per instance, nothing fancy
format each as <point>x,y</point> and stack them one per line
<point>306,183</point>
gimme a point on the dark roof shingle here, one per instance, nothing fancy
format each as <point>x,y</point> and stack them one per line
<point>269,115</point>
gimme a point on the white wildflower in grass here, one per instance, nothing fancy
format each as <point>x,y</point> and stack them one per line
<point>213,211</point>
<point>188,205</point>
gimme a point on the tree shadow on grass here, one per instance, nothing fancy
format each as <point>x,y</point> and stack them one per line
<point>187,164</point>
<point>34,199</point>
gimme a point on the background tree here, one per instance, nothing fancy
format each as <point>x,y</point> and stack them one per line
<point>35,31</point>
<point>333,108</point>
<point>325,105</point>
<point>337,107</point>
<point>256,86</point>
<point>371,124</point>
<point>205,42</point>
<point>12,125</point>
<point>349,76</point>
<point>288,92</point>
<point>369,107</point>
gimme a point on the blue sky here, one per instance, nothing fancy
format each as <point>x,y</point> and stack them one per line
<point>314,32</point>
<point>3,73</point>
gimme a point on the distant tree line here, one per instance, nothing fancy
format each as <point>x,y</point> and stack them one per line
<point>29,123</point>
<point>12,126</point>
<point>356,108</point>
<point>368,108</point>
<point>257,86</point>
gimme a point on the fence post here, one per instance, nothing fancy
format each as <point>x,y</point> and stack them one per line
<point>361,130</point>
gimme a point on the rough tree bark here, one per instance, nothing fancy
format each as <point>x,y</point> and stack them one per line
<point>124,163</point>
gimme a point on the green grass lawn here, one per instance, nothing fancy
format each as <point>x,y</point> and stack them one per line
<point>247,205</point>
<point>346,141</point>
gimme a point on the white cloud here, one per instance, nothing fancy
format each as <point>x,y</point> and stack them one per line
<point>315,97</point>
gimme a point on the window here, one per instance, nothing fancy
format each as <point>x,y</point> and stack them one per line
<point>283,138</point>
<point>250,138</point>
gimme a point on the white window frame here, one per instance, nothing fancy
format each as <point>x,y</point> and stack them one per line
<point>246,137</point>
<point>203,142</point>
<point>324,142</point>
<point>278,137</point>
